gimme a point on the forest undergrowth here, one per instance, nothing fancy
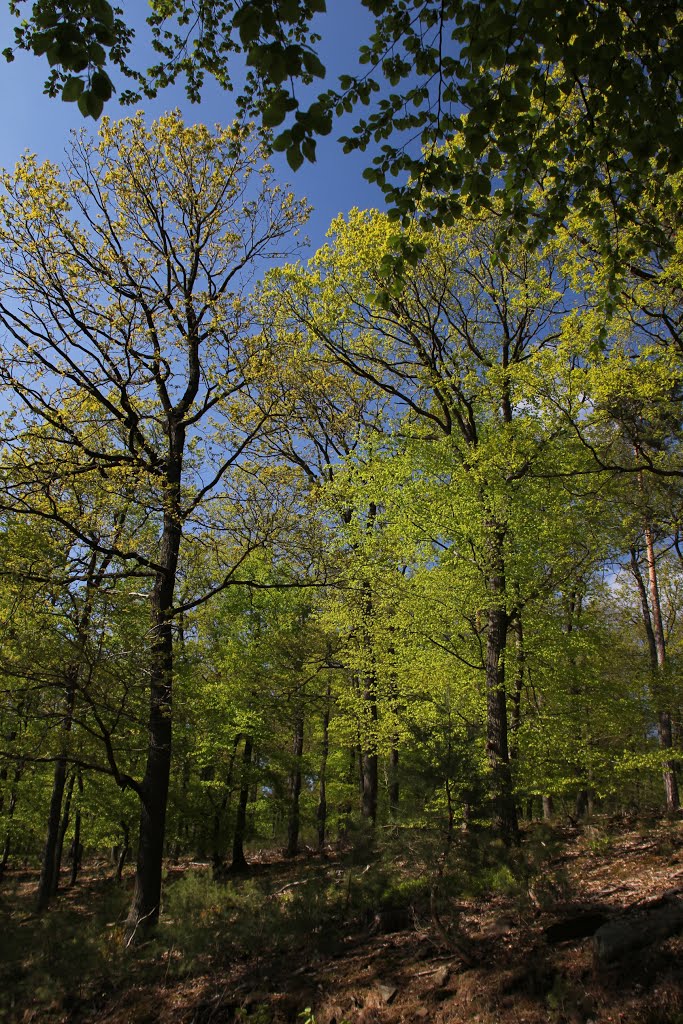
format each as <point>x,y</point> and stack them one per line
<point>377,930</point>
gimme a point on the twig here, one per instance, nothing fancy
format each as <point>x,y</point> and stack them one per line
<point>137,925</point>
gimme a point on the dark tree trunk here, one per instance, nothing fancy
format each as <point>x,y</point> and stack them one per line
<point>76,849</point>
<point>370,785</point>
<point>52,854</point>
<point>46,885</point>
<point>218,853</point>
<point>654,630</point>
<point>502,796</point>
<point>123,851</point>
<point>663,716</point>
<point>76,852</point>
<point>394,782</point>
<point>295,789</point>
<point>581,806</point>
<point>518,683</point>
<point>62,832</point>
<point>239,861</point>
<point>7,845</point>
<point>346,808</point>
<point>369,758</point>
<point>153,790</point>
<point>369,770</point>
<point>321,813</point>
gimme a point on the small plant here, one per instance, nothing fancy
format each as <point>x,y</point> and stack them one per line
<point>308,1017</point>
<point>258,1015</point>
<point>599,842</point>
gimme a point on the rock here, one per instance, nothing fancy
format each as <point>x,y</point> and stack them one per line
<point>634,931</point>
<point>440,977</point>
<point>386,992</point>
<point>496,929</point>
<point>578,927</point>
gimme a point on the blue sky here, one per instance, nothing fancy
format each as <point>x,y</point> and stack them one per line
<point>333,184</point>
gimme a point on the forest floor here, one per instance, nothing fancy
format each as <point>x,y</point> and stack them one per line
<point>363,935</point>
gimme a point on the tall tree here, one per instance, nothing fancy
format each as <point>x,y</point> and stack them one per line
<point>124,292</point>
<point>457,352</point>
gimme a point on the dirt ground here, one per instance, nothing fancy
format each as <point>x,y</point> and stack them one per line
<point>493,959</point>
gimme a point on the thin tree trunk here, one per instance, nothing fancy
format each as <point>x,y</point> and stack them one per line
<point>346,808</point>
<point>7,845</point>
<point>582,805</point>
<point>496,704</point>
<point>295,789</point>
<point>548,808</point>
<point>394,781</point>
<point>518,684</point>
<point>239,861</point>
<point>651,613</point>
<point>76,845</point>
<point>62,832</point>
<point>218,855</point>
<point>47,885</point>
<point>369,760</point>
<point>663,716</point>
<point>321,813</point>
<point>123,852</point>
<point>370,775</point>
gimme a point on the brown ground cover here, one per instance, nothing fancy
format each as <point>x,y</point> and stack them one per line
<point>319,939</point>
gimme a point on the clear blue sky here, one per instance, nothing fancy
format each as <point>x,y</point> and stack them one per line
<point>333,185</point>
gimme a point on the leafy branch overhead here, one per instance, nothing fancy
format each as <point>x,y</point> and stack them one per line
<point>581,105</point>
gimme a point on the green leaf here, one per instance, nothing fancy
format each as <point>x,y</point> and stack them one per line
<point>101,86</point>
<point>73,87</point>
<point>294,158</point>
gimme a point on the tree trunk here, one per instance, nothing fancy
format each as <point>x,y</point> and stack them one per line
<point>346,808</point>
<point>394,782</point>
<point>123,851</point>
<point>651,612</point>
<point>369,761</point>
<point>548,809</point>
<point>47,885</point>
<point>217,858</point>
<point>516,715</point>
<point>502,796</point>
<point>76,849</point>
<point>7,845</point>
<point>239,861</point>
<point>153,790</point>
<point>52,854</point>
<point>663,716</point>
<point>581,806</point>
<point>295,789</point>
<point>62,833</point>
<point>321,813</point>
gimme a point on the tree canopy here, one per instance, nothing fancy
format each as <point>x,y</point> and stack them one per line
<point>586,106</point>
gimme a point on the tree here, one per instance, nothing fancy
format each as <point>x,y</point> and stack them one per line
<point>583,105</point>
<point>124,293</point>
<point>460,352</point>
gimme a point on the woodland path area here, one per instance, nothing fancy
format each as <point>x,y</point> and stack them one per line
<point>527,936</point>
